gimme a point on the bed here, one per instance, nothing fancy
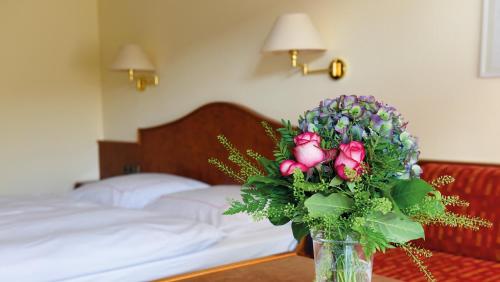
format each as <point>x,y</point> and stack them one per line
<point>130,226</point>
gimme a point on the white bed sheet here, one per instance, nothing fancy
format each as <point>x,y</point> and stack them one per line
<point>52,238</point>
<point>58,239</point>
<point>233,248</point>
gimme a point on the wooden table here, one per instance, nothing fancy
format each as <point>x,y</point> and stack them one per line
<point>278,268</point>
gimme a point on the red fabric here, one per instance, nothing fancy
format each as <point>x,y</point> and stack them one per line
<point>445,268</point>
<point>480,186</point>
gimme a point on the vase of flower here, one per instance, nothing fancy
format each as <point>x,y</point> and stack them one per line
<point>340,261</point>
<point>350,170</point>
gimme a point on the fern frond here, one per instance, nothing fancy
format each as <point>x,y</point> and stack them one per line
<point>282,151</point>
<point>372,241</point>
<point>235,207</point>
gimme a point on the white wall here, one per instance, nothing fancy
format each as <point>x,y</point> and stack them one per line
<point>419,55</point>
<point>50,106</point>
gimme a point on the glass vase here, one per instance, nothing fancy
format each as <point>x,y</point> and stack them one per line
<point>340,261</point>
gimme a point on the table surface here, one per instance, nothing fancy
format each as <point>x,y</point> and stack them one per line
<point>279,268</point>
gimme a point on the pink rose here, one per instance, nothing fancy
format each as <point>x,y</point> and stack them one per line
<point>351,156</point>
<point>308,150</point>
<point>306,137</point>
<point>288,167</point>
<point>308,153</point>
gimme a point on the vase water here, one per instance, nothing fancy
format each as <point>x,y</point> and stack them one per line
<point>340,261</point>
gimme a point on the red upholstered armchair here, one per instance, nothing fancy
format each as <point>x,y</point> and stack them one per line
<point>459,254</point>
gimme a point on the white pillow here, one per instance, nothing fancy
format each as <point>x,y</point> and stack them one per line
<point>135,190</point>
<point>208,206</point>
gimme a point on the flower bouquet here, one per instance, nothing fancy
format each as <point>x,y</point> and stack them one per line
<point>349,177</point>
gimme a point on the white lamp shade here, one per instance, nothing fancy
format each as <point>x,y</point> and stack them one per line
<point>132,56</point>
<point>293,32</point>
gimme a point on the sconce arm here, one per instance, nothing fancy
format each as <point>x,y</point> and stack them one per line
<point>143,80</point>
<point>336,70</point>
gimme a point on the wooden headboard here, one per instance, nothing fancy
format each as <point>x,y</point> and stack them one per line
<point>183,146</point>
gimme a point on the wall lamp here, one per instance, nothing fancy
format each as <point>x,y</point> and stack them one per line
<point>141,71</point>
<point>294,33</point>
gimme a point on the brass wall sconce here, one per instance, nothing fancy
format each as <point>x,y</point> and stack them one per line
<point>141,71</point>
<point>295,33</point>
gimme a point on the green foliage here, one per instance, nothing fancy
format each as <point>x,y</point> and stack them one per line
<point>432,210</point>
<point>454,201</point>
<point>271,167</point>
<point>376,207</point>
<point>371,240</point>
<point>382,205</point>
<point>431,206</point>
<point>442,181</point>
<point>332,205</point>
<point>299,230</point>
<point>408,193</point>
<point>260,181</point>
<point>416,254</point>
<point>246,167</point>
<point>385,160</point>
<point>454,220</point>
<point>269,131</point>
<point>395,228</point>
<point>283,148</point>
<point>300,183</point>
<point>264,201</point>
<point>227,170</point>
<point>332,227</point>
<point>254,155</point>
<point>238,207</point>
<point>336,181</point>
<point>278,219</point>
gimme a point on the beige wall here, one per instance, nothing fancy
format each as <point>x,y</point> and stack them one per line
<point>50,110</point>
<point>419,55</point>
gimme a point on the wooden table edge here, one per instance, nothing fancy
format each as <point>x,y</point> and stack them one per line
<point>226,267</point>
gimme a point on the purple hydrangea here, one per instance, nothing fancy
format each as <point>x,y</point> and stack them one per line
<point>359,118</point>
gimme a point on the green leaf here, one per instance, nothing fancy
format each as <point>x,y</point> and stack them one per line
<point>279,220</point>
<point>260,180</point>
<point>299,230</point>
<point>351,186</point>
<point>333,205</point>
<point>271,167</point>
<point>336,181</point>
<point>407,193</point>
<point>395,228</point>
